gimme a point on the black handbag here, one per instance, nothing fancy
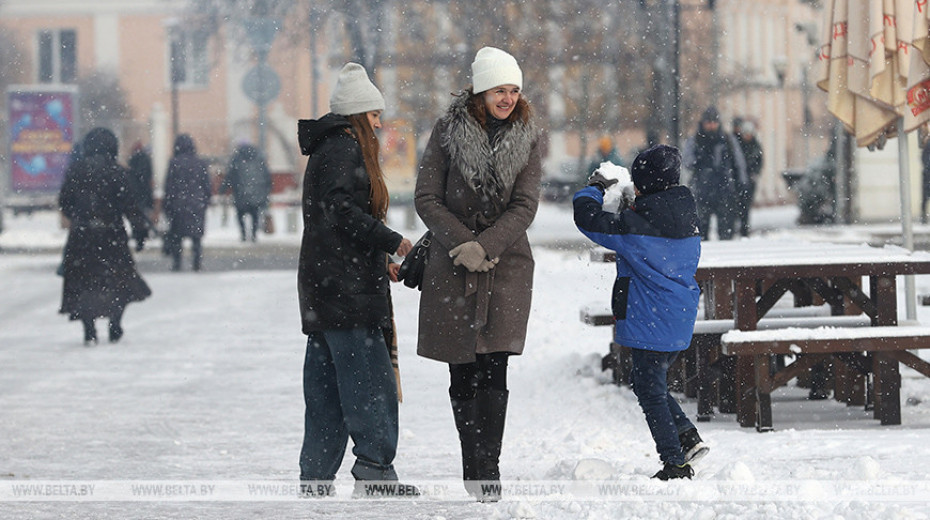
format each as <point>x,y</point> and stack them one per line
<point>411,270</point>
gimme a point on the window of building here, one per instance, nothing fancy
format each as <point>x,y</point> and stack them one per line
<point>189,66</point>
<point>57,56</point>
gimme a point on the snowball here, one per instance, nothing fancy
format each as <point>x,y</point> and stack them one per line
<point>593,469</point>
<point>739,472</point>
<point>619,196</point>
<point>865,468</point>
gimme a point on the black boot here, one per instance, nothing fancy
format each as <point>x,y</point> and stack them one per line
<point>90,333</point>
<point>465,413</point>
<point>492,414</point>
<point>116,328</point>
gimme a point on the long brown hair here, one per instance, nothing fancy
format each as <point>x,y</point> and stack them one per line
<point>478,110</point>
<point>371,147</point>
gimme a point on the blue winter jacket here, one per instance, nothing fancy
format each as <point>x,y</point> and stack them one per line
<point>655,296</point>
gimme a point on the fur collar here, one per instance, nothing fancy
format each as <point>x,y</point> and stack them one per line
<point>490,168</point>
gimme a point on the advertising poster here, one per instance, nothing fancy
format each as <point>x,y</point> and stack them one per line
<point>42,134</point>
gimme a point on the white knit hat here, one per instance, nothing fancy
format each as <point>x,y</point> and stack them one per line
<point>492,68</point>
<point>354,92</point>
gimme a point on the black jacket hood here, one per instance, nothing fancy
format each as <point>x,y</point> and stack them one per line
<point>312,132</point>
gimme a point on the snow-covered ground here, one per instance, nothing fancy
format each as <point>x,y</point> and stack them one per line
<point>203,397</point>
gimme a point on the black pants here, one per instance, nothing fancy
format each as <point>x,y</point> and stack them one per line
<point>174,247</point>
<point>488,371</point>
<point>255,212</point>
<point>724,208</point>
<point>746,194</point>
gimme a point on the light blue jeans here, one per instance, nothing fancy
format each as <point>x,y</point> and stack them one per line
<point>349,391</point>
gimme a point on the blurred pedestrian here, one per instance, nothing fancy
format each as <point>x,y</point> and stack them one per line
<point>745,133</point>
<point>250,182</point>
<point>187,195</point>
<point>140,179</point>
<point>717,170</point>
<point>350,389</point>
<point>606,152</point>
<point>478,190</point>
<point>100,276</point>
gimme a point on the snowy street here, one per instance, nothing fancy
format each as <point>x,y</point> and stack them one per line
<point>205,390</point>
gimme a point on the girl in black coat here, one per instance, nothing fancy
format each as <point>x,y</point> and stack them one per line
<point>100,276</point>
<point>349,383</point>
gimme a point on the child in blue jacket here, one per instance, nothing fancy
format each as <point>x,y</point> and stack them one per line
<point>655,296</point>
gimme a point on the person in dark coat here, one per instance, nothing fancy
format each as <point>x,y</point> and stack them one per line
<point>100,276</point>
<point>187,195</point>
<point>718,169</point>
<point>477,190</point>
<point>140,179</point>
<point>350,388</point>
<point>745,132</point>
<point>655,296</point>
<point>250,182</point>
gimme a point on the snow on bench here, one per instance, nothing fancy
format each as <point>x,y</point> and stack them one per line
<point>724,326</point>
<point>807,317</point>
<point>796,340</point>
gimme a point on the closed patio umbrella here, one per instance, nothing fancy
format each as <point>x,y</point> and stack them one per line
<point>873,68</point>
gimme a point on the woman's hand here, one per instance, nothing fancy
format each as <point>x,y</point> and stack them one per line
<point>393,269</point>
<point>472,255</point>
<point>404,248</point>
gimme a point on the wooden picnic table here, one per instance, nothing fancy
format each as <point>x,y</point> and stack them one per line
<point>741,281</point>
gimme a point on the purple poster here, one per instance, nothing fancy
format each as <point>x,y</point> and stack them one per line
<point>41,138</point>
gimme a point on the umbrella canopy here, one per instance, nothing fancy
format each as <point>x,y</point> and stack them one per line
<point>918,82</point>
<point>868,62</point>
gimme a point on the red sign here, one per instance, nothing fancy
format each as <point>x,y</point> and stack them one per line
<point>918,98</point>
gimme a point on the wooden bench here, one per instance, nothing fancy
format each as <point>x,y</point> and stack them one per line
<point>707,382</point>
<point>864,350</point>
<point>687,374</point>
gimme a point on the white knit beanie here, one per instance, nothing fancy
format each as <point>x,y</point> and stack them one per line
<point>492,68</point>
<point>354,92</point>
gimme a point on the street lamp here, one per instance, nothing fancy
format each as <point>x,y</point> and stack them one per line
<point>261,83</point>
<point>175,72</point>
<point>672,49</point>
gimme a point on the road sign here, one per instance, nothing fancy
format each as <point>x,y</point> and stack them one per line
<point>261,84</point>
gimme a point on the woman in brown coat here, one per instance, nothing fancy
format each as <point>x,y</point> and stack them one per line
<point>478,190</point>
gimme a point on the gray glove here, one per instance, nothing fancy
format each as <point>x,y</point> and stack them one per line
<point>598,180</point>
<point>472,255</point>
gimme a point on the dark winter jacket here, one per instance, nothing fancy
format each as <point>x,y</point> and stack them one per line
<point>187,190</point>
<point>100,276</point>
<point>471,186</point>
<point>752,153</point>
<point>248,178</point>
<point>342,276</point>
<point>140,178</point>
<point>655,296</point>
<point>717,164</point>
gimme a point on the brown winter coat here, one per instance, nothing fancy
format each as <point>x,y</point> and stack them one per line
<point>463,313</point>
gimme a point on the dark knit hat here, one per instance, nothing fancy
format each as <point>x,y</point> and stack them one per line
<point>656,169</point>
<point>710,114</point>
<point>101,141</point>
